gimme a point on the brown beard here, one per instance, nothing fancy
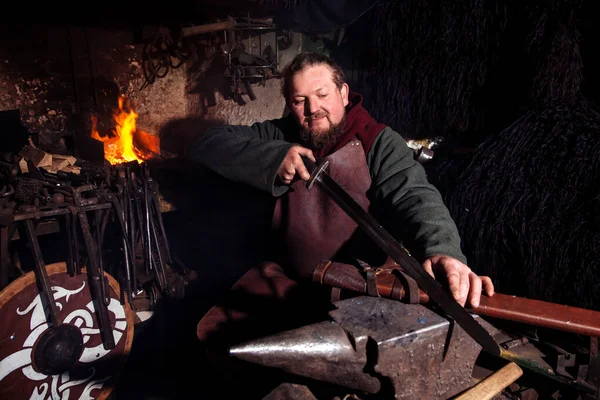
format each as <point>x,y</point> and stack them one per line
<point>322,140</point>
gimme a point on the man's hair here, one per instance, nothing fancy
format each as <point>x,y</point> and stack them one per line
<point>303,60</point>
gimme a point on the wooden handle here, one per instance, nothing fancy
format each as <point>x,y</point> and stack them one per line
<point>493,384</point>
<point>200,29</point>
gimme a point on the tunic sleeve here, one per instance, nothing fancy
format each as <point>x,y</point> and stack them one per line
<point>245,154</point>
<point>409,206</point>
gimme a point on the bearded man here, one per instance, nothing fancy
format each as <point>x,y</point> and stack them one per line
<point>368,159</point>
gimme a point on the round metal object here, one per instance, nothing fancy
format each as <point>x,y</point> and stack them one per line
<point>57,350</point>
<point>68,361</point>
<point>58,198</point>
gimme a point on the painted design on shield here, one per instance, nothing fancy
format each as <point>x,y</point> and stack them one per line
<point>58,387</point>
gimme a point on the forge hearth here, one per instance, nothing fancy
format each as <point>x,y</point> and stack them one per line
<point>101,227</point>
<point>106,220</point>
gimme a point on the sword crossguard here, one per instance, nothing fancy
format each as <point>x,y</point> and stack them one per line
<point>315,171</point>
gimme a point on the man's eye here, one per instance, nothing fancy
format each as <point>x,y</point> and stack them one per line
<point>297,102</point>
<point>322,96</point>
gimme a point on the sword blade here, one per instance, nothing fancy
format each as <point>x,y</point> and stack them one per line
<point>398,253</point>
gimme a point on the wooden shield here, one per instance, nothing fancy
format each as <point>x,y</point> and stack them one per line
<point>23,319</point>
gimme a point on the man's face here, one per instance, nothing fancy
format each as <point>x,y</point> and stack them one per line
<point>317,103</point>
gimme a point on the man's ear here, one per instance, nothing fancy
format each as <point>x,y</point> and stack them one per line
<point>344,92</point>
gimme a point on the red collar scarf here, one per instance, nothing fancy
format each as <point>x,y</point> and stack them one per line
<point>359,124</point>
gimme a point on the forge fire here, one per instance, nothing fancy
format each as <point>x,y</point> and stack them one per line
<point>125,143</point>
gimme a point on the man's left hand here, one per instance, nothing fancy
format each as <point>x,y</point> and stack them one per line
<point>463,283</point>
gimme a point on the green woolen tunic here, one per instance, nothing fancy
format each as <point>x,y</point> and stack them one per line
<point>408,206</point>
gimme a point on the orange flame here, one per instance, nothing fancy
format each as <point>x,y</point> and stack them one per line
<point>120,146</point>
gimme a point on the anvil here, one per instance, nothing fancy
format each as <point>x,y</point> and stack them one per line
<point>376,345</point>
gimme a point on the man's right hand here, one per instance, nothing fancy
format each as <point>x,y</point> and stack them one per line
<point>292,168</point>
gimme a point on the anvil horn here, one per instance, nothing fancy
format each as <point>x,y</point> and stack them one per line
<point>322,351</point>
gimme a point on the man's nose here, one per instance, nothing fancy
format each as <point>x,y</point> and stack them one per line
<point>311,106</point>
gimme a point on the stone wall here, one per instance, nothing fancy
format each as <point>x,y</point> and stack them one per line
<point>57,76</point>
